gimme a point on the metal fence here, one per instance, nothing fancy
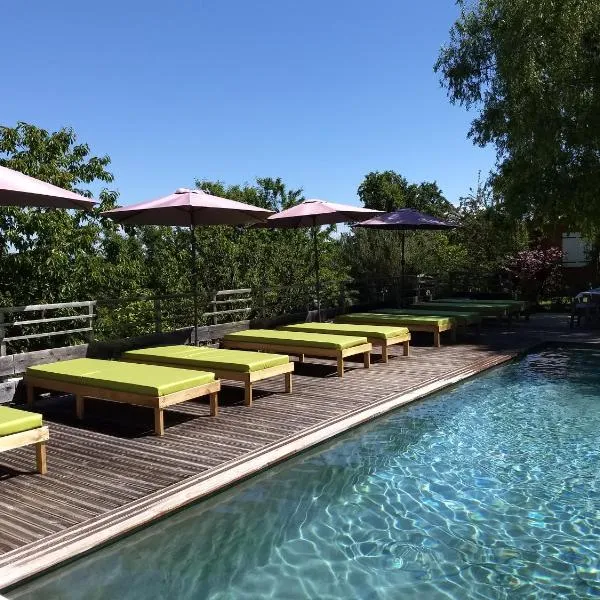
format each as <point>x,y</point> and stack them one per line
<point>118,318</point>
<point>45,322</point>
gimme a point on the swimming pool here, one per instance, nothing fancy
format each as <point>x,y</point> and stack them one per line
<point>489,490</point>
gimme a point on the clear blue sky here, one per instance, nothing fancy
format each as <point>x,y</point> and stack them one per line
<point>318,92</point>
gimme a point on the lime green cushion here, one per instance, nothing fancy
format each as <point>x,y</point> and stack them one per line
<point>147,380</point>
<point>13,420</point>
<point>243,361</point>
<point>516,305</point>
<point>481,308</point>
<point>462,317</point>
<point>296,338</point>
<point>399,320</point>
<point>381,332</point>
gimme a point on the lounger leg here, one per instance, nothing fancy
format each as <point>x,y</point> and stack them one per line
<point>214,404</point>
<point>30,395</point>
<point>406,348</point>
<point>300,357</point>
<point>159,422</point>
<point>340,366</point>
<point>436,339</point>
<point>453,335</point>
<point>366,360</point>
<point>384,352</point>
<point>40,457</point>
<point>248,394</point>
<point>288,383</point>
<point>79,406</point>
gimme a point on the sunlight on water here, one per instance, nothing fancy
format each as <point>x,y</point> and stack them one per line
<point>487,491</point>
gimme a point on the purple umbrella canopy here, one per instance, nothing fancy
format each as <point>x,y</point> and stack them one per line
<point>17,189</point>
<point>406,219</point>
<point>188,208</point>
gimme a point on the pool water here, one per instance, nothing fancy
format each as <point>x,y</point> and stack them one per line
<point>489,490</point>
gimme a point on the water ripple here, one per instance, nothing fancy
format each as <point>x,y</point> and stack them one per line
<point>487,491</point>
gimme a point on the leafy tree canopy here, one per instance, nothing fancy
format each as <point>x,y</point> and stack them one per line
<point>390,191</point>
<point>40,246</point>
<point>532,69</point>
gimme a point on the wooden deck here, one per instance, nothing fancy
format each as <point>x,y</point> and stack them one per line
<point>111,474</point>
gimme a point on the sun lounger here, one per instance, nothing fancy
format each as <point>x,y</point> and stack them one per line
<point>516,307</point>
<point>435,325</point>
<point>237,365</point>
<point>300,344</point>
<point>22,428</point>
<point>498,311</point>
<point>377,335</point>
<point>463,319</point>
<point>130,383</point>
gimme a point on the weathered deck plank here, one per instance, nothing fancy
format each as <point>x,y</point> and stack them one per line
<point>112,460</point>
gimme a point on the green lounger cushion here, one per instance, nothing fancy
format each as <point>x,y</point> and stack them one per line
<point>13,420</point>
<point>401,320</point>
<point>296,338</point>
<point>516,304</point>
<point>483,309</point>
<point>381,332</point>
<point>147,380</point>
<point>202,357</point>
<point>462,317</point>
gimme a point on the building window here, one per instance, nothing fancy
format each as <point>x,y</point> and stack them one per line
<point>576,250</point>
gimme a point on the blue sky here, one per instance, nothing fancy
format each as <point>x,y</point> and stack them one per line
<point>318,92</point>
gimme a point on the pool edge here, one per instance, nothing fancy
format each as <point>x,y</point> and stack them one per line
<point>39,557</point>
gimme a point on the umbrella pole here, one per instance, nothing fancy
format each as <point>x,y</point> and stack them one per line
<point>317,274</point>
<point>402,266</point>
<point>194,280</point>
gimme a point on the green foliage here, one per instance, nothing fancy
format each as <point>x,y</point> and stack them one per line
<point>467,256</point>
<point>390,191</point>
<point>533,71</point>
<point>60,256</point>
<point>38,247</point>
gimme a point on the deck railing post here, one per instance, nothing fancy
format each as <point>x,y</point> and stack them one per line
<point>214,309</point>
<point>157,315</point>
<point>90,335</point>
<point>2,334</point>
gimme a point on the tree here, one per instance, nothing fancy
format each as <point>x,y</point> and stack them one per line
<point>388,191</point>
<point>50,255</point>
<point>533,71</point>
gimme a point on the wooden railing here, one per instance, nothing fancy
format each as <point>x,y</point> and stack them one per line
<point>11,319</point>
<point>227,302</point>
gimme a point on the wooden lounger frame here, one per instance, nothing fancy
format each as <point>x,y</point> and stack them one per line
<point>157,403</point>
<point>436,329</point>
<point>391,341</point>
<point>247,378</point>
<point>38,436</point>
<point>302,351</point>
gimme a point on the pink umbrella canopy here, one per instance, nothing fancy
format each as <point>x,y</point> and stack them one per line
<point>319,212</point>
<point>17,189</point>
<point>188,208</point>
<point>313,213</point>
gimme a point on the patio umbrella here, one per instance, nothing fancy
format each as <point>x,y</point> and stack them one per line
<point>17,189</point>
<point>314,213</point>
<point>405,219</point>
<point>189,208</point>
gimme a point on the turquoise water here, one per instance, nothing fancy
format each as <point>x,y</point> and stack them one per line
<point>489,490</point>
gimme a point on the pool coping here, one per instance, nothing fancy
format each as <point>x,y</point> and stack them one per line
<point>54,550</point>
